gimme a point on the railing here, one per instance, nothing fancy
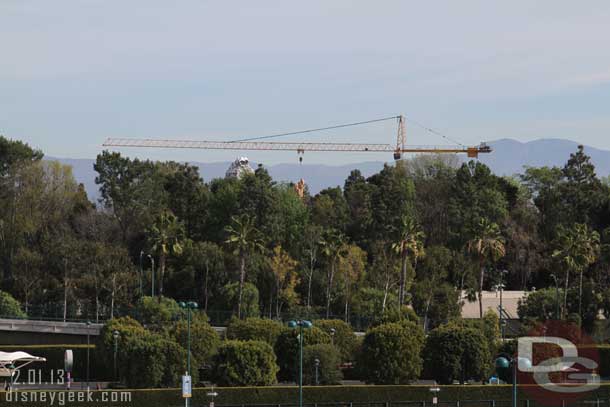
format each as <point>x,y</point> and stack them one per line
<point>440,403</point>
<point>86,312</point>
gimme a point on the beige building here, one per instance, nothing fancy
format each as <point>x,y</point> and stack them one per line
<point>491,301</point>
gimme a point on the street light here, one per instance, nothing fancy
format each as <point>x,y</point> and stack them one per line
<point>333,331</point>
<point>317,364</point>
<point>505,362</point>
<point>152,261</point>
<point>141,274</point>
<point>88,345</point>
<point>301,324</point>
<point>188,306</point>
<point>116,336</point>
<point>501,287</point>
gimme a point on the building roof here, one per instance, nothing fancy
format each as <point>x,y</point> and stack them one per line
<point>491,301</point>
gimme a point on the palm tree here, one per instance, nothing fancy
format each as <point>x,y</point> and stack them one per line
<point>577,248</point>
<point>166,237</point>
<point>245,238</point>
<point>488,246</point>
<point>333,248</point>
<point>410,242</point>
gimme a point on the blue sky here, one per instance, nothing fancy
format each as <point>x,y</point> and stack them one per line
<point>75,72</point>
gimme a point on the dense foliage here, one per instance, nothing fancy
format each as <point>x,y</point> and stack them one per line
<point>287,349</point>
<point>416,233</point>
<point>391,353</point>
<point>10,307</point>
<point>254,329</point>
<point>456,352</point>
<point>245,363</point>
<point>145,358</point>
<point>400,245</point>
<point>324,359</point>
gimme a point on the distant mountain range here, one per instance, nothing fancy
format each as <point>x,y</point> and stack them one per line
<point>508,158</point>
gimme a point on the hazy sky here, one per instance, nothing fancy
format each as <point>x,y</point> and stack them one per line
<point>75,72</point>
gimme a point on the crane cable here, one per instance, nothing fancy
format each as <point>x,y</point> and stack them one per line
<point>339,126</point>
<point>435,132</point>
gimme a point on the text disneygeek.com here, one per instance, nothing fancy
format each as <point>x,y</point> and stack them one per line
<point>67,398</point>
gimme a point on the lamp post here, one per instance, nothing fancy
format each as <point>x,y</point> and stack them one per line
<point>116,336</point>
<point>317,363</point>
<point>188,306</point>
<point>332,336</point>
<point>141,274</point>
<point>501,287</point>
<point>152,261</point>
<point>505,362</point>
<point>88,345</point>
<point>301,324</point>
<point>556,296</point>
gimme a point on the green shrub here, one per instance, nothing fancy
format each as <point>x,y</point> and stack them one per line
<point>395,315</point>
<point>204,339</point>
<point>249,306</point>
<point>391,353</point>
<point>287,348</point>
<point>10,307</point>
<point>145,359</point>
<point>343,338</point>
<point>456,352</point>
<point>254,329</point>
<point>368,303</point>
<point>245,363</point>
<point>329,358</point>
<point>158,312</point>
<point>489,326</point>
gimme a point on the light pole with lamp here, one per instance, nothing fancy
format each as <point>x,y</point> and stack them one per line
<point>88,346</point>
<point>501,287</point>
<point>301,324</point>
<point>152,262</point>
<point>317,364</point>
<point>507,362</point>
<point>141,274</point>
<point>189,306</point>
<point>333,331</point>
<point>116,336</point>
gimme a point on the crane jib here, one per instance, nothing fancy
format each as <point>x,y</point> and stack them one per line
<point>290,146</point>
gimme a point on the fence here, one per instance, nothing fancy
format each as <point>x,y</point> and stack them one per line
<point>85,311</point>
<point>440,403</point>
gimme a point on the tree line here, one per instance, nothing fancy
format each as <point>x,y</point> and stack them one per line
<point>416,234</point>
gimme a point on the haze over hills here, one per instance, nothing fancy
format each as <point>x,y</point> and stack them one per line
<point>508,158</point>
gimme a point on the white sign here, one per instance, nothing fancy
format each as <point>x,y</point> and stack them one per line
<point>68,360</point>
<point>187,387</point>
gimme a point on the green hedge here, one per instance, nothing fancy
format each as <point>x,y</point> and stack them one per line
<point>288,395</point>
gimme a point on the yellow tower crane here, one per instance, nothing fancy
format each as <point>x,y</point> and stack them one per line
<point>301,147</point>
